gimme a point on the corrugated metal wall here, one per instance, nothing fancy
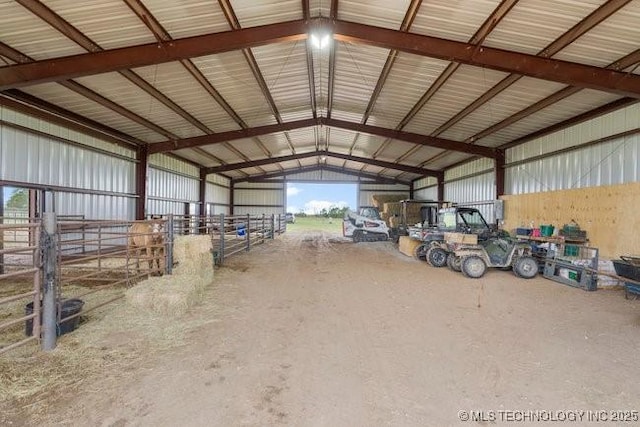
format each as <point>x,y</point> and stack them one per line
<point>472,182</point>
<point>258,198</point>
<point>366,192</point>
<point>171,184</point>
<point>616,160</point>
<point>426,189</point>
<point>34,152</point>
<point>217,195</point>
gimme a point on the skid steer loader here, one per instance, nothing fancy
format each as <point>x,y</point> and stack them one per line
<point>365,226</point>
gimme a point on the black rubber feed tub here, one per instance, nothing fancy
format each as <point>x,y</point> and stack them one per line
<point>69,308</point>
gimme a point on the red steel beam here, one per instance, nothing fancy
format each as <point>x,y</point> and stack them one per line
<point>347,157</point>
<point>414,138</point>
<point>592,20</point>
<point>379,178</point>
<point>148,54</point>
<point>220,137</point>
<point>571,73</point>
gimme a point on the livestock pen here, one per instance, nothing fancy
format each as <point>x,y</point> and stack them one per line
<point>96,263</point>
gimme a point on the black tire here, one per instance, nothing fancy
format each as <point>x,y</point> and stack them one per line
<point>437,257</point>
<point>358,236</point>
<point>420,252</point>
<point>473,266</point>
<point>526,267</point>
<point>454,262</point>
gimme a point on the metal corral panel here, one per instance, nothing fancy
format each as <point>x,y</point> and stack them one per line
<point>374,12</point>
<point>581,102</point>
<point>95,206</point>
<point>466,84</point>
<point>409,79</point>
<point>284,68</point>
<point>533,24</point>
<point>117,88</point>
<point>231,76</point>
<point>614,38</point>
<point>76,103</point>
<point>11,116</point>
<point>172,164</point>
<point>623,120</point>
<point>25,32</point>
<point>37,159</point>
<point>109,23</point>
<point>476,166</point>
<point>188,18</point>
<point>454,20</point>
<point>173,80</point>
<point>358,68</point>
<point>251,14</point>
<point>518,96</point>
<point>167,185</point>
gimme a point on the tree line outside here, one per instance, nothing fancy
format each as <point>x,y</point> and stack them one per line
<point>18,200</point>
<point>332,212</point>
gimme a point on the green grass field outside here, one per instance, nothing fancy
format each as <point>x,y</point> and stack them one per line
<point>309,223</point>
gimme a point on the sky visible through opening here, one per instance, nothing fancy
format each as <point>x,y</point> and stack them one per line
<point>312,198</point>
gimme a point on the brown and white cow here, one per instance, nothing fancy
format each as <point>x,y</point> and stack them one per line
<point>148,237</point>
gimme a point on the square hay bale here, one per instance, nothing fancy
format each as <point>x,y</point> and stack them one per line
<point>379,200</point>
<point>172,295</point>
<point>392,208</point>
<point>408,245</point>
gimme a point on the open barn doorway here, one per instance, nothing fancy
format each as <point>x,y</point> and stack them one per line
<point>319,206</point>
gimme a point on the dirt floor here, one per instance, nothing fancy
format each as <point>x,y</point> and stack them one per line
<point>309,330</point>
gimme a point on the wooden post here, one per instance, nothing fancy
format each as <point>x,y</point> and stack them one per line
<point>141,181</point>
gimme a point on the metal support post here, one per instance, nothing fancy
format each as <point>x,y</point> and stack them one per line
<point>168,263</point>
<point>49,303</point>
<point>248,232</point>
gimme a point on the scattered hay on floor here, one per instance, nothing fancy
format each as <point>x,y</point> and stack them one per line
<point>172,295</point>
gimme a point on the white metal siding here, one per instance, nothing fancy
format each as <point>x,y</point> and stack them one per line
<point>615,161</point>
<point>259,198</point>
<point>475,189</point>
<point>430,193</point>
<point>167,185</point>
<point>95,206</point>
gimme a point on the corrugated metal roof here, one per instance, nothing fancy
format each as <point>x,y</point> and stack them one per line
<point>528,27</point>
<point>27,33</point>
<point>533,24</point>
<point>109,23</point>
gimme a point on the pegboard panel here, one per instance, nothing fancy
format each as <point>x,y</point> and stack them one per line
<point>609,214</point>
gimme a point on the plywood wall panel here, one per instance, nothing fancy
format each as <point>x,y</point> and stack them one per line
<point>609,214</point>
